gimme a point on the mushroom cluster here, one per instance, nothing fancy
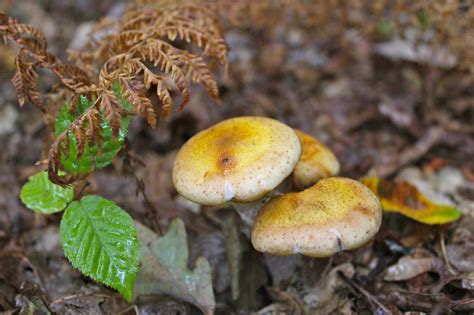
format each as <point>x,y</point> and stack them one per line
<point>242,160</point>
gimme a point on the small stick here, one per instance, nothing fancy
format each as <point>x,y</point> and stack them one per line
<point>370,297</point>
<point>445,252</point>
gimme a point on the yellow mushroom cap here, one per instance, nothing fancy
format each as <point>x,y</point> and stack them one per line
<point>317,162</point>
<point>335,214</point>
<point>239,159</point>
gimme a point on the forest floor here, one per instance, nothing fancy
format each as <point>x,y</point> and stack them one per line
<point>382,114</point>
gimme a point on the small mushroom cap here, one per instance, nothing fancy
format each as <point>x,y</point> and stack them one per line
<point>239,159</point>
<point>335,214</point>
<point>317,162</point>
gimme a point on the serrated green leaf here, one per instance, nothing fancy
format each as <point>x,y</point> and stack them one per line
<point>163,268</point>
<point>111,146</point>
<point>40,194</point>
<point>64,119</point>
<point>95,156</point>
<point>72,162</point>
<point>99,238</point>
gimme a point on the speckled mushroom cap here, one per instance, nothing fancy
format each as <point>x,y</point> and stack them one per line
<point>239,159</point>
<point>317,162</point>
<point>335,214</point>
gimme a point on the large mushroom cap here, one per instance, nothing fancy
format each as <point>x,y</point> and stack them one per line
<point>317,162</point>
<point>335,214</point>
<point>239,159</point>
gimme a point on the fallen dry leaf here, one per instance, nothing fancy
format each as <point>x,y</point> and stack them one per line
<point>409,51</point>
<point>328,296</point>
<point>404,198</point>
<point>460,250</point>
<point>291,301</point>
<point>409,267</point>
<point>163,268</point>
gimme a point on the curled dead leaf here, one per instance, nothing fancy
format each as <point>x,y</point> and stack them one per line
<point>404,198</point>
<point>409,267</point>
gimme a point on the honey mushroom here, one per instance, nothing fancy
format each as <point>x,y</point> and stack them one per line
<point>333,215</point>
<point>237,161</point>
<point>317,162</point>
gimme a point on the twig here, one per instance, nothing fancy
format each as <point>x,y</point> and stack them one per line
<point>372,299</point>
<point>128,169</point>
<point>421,302</point>
<point>443,250</point>
<point>409,154</point>
<point>82,295</point>
<point>79,194</point>
<point>131,307</point>
<point>153,212</point>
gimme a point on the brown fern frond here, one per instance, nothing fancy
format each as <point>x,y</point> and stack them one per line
<point>112,109</point>
<point>165,98</point>
<point>147,34</point>
<point>150,78</point>
<point>71,76</point>
<point>21,31</point>
<point>78,132</point>
<point>200,73</point>
<point>93,127</point>
<point>170,62</point>
<point>24,81</point>
<point>84,61</point>
<point>135,94</point>
<point>125,41</point>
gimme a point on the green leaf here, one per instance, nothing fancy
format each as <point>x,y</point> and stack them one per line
<point>40,194</point>
<point>72,162</point>
<point>110,146</point>
<point>99,239</point>
<point>64,119</point>
<point>94,156</point>
<point>163,268</point>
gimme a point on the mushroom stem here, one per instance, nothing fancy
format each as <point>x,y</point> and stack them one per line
<point>317,266</point>
<point>248,211</point>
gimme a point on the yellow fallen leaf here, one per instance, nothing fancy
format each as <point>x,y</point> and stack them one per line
<point>406,199</point>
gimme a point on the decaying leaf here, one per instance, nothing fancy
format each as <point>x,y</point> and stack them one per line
<point>409,51</point>
<point>460,249</point>
<point>404,198</point>
<point>164,268</point>
<point>409,267</point>
<point>443,186</point>
<point>31,300</point>
<point>285,302</point>
<point>427,303</point>
<point>88,303</point>
<point>327,295</point>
